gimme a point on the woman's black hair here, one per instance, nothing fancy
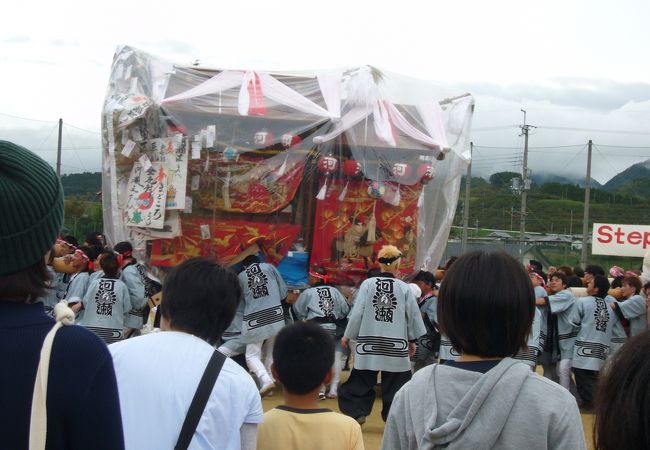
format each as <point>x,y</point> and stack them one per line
<point>486,304</point>
<point>27,285</point>
<point>622,400</point>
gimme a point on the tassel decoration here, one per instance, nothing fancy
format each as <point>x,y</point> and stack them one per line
<point>283,167</point>
<point>322,191</point>
<point>372,225</point>
<point>397,197</point>
<point>421,199</point>
<point>226,192</point>
<point>344,192</point>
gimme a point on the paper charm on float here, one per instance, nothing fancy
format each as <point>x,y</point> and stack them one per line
<point>146,197</point>
<point>173,155</point>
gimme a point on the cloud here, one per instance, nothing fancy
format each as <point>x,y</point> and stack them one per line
<point>17,39</point>
<point>167,46</point>
<point>576,92</point>
<point>64,43</point>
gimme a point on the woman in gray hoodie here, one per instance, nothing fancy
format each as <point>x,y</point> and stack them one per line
<point>485,399</point>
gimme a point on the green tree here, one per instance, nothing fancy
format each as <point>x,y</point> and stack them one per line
<point>502,179</point>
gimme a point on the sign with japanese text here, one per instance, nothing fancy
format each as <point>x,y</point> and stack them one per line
<point>146,196</point>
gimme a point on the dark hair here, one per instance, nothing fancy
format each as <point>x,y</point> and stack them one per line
<point>594,270</point>
<point>486,304</point>
<point>601,283</point>
<point>302,355</point>
<point>561,276</point>
<point>617,282</point>
<point>573,281</point>
<point>425,277</point>
<point>94,238</point>
<point>200,297</point>
<point>623,398</point>
<point>647,285</point>
<point>92,253</point>
<point>250,259</point>
<point>577,270</point>
<point>535,264</point>
<point>450,262</point>
<point>319,271</point>
<point>71,240</point>
<point>125,249</point>
<point>566,270</point>
<point>26,285</point>
<point>109,264</point>
<point>374,272</point>
<point>541,274</point>
<point>634,282</point>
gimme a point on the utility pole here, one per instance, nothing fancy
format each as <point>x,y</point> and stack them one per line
<point>468,183</point>
<point>525,186</point>
<point>58,152</point>
<point>585,217</point>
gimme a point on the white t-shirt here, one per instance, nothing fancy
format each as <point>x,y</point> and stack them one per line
<point>157,376</point>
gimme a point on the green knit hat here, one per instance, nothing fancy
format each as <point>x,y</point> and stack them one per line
<point>31,208</point>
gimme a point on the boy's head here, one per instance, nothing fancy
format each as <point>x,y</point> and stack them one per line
<point>598,286</point>
<point>426,281</point>
<point>125,249</point>
<point>109,264</point>
<point>303,356</point>
<point>200,297</point>
<point>250,259</point>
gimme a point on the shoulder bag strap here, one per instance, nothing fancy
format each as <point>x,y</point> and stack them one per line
<point>200,399</point>
<point>38,418</point>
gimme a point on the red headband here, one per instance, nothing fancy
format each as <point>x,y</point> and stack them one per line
<point>120,258</point>
<point>82,254</point>
<point>325,278</point>
<point>539,277</point>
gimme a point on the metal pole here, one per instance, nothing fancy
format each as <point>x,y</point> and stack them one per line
<point>585,217</point>
<point>524,178</point>
<point>468,183</point>
<point>58,151</point>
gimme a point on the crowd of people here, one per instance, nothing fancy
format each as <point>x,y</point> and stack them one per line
<point>455,352</point>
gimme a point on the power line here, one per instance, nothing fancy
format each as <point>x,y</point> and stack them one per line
<point>596,130</point>
<point>536,147</point>
<point>82,129</point>
<point>48,121</point>
<point>27,118</point>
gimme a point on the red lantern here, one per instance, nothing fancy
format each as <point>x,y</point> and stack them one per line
<point>351,168</point>
<point>402,171</point>
<point>328,164</point>
<point>425,173</point>
<point>289,140</point>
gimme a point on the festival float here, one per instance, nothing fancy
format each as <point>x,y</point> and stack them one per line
<point>306,169</point>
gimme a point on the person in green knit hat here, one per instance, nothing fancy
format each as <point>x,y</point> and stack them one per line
<point>82,405</point>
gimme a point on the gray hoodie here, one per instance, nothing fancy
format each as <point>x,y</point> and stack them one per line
<point>508,407</point>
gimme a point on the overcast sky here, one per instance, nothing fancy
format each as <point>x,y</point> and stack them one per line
<point>580,68</point>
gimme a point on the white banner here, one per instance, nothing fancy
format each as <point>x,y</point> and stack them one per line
<point>620,240</point>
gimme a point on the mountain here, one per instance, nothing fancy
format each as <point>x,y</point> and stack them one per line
<point>84,185</point>
<point>636,174</point>
<point>545,177</point>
